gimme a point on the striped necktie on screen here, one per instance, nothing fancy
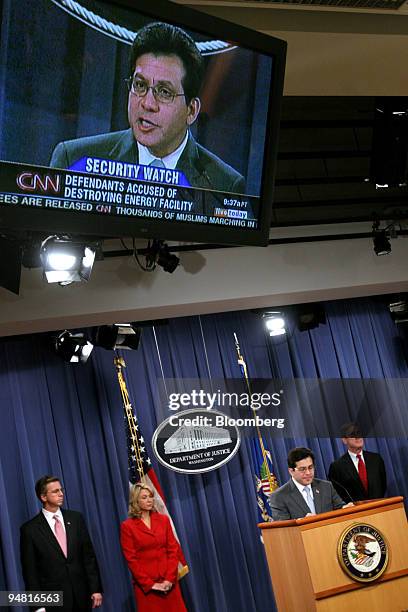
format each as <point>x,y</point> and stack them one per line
<point>157,163</point>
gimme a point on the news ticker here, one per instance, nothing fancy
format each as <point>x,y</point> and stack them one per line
<point>163,196</point>
<point>31,598</point>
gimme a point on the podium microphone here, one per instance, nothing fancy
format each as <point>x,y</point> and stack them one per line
<point>338,484</point>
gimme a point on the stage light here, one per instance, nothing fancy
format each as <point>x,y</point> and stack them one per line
<point>381,244</point>
<point>73,348</point>
<point>399,311</point>
<point>274,323</point>
<point>168,261</point>
<point>119,335</point>
<point>65,261</point>
<point>158,254</point>
<point>309,316</point>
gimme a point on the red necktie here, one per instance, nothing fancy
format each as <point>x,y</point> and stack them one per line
<point>362,472</point>
<point>60,534</point>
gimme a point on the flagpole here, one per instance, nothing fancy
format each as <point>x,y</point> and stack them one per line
<point>148,478</point>
<point>119,365</point>
<point>241,362</point>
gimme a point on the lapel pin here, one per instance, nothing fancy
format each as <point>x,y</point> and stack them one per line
<point>317,491</point>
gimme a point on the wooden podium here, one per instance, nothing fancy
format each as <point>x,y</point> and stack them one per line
<point>304,567</point>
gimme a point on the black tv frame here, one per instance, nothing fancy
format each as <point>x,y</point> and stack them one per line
<point>98,225</point>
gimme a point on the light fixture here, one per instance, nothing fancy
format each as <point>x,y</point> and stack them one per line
<point>73,348</point>
<point>274,323</point>
<point>65,261</point>
<point>309,316</point>
<point>158,254</point>
<point>119,335</point>
<point>399,311</point>
<point>381,243</point>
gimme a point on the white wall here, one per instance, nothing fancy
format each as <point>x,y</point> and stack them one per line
<point>209,281</point>
<point>331,51</point>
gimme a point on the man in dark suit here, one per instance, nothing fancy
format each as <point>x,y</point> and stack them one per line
<point>166,75</point>
<point>358,474</point>
<point>57,552</point>
<point>303,495</point>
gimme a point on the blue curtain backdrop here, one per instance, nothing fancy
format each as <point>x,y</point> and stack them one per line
<point>68,420</point>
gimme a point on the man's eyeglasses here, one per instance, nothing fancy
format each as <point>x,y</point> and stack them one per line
<point>302,470</point>
<point>161,93</point>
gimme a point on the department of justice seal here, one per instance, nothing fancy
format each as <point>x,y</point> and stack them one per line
<point>195,441</point>
<point>362,552</point>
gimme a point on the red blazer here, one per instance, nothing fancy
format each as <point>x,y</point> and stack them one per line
<point>151,554</point>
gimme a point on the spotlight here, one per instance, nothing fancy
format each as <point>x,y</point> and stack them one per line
<point>158,253</point>
<point>309,316</point>
<point>167,260</point>
<point>381,244</point>
<point>399,311</point>
<point>274,323</point>
<point>65,261</point>
<point>120,335</point>
<point>74,348</point>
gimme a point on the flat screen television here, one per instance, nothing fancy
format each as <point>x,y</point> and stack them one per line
<point>167,146</point>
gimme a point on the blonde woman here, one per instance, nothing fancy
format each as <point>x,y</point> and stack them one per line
<point>151,552</point>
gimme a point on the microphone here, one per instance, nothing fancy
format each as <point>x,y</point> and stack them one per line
<point>200,167</point>
<point>338,484</point>
<point>202,170</point>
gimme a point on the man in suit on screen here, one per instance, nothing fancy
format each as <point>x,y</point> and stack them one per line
<point>303,495</point>
<point>166,73</point>
<point>57,552</point>
<point>358,474</point>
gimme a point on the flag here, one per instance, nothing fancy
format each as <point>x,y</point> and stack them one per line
<point>265,479</point>
<point>139,463</point>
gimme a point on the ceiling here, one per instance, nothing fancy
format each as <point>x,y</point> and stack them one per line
<point>342,57</point>
<point>325,148</point>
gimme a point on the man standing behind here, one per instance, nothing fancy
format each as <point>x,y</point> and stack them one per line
<point>358,474</point>
<point>303,495</point>
<point>57,552</point>
<point>166,75</point>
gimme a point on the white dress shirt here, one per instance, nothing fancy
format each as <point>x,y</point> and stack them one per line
<point>49,517</point>
<point>169,161</point>
<point>301,488</point>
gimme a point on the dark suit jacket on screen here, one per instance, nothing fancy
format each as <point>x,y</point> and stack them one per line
<point>287,502</point>
<point>46,568</point>
<point>346,480</point>
<point>202,168</point>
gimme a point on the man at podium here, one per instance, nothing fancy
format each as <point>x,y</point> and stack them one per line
<point>303,495</point>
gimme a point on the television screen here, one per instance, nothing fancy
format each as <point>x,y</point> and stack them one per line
<point>137,119</point>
